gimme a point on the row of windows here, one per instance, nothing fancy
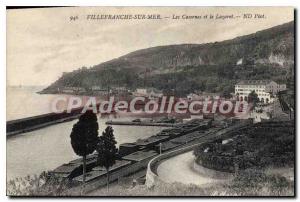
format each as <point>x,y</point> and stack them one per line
<point>256,90</point>
<point>263,94</point>
<point>278,87</point>
<point>250,86</point>
<point>261,86</point>
<point>259,94</point>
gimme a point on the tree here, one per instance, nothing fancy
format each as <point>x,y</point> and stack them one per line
<point>211,85</point>
<point>226,94</point>
<point>107,151</point>
<point>84,137</point>
<point>253,97</point>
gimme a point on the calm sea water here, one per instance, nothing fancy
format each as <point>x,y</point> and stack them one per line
<point>25,102</point>
<point>47,148</point>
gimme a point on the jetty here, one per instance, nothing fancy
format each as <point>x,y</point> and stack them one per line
<point>162,122</point>
<point>23,125</point>
<point>143,123</point>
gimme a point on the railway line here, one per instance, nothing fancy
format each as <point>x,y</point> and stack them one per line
<point>155,170</point>
<point>134,158</point>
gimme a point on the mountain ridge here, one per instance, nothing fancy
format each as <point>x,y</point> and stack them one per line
<point>270,47</point>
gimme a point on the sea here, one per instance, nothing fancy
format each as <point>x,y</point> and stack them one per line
<point>45,149</point>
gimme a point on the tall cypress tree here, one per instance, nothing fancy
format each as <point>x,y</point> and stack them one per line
<point>84,137</point>
<point>107,151</point>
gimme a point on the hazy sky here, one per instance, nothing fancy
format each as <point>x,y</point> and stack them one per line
<point>43,43</point>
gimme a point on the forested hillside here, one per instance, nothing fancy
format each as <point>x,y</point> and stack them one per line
<point>212,67</point>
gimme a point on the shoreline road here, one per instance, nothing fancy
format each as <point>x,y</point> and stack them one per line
<point>180,169</point>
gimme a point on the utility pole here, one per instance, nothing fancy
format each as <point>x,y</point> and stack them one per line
<point>160,145</point>
<point>274,109</point>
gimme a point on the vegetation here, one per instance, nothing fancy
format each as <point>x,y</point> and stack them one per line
<point>41,185</point>
<point>84,137</point>
<point>247,183</point>
<point>107,151</point>
<point>289,98</point>
<point>259,146</point>
<point>250,182</point>
<point>226,94</point>
<point>212,67</point>
<point>253,98</point>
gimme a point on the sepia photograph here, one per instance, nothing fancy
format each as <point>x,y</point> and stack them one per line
<point>150,101</point>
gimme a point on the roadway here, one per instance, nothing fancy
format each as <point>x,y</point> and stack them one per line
<point>180,169</point>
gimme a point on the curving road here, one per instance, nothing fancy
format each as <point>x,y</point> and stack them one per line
<point>180,169</point>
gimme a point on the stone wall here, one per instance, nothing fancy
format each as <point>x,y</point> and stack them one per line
<point>152,177</point>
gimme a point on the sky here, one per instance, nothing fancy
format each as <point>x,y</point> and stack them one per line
<point>43,43</point>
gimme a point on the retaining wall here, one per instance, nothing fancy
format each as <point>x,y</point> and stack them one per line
<point>211,173</point>
<point>151,175</point>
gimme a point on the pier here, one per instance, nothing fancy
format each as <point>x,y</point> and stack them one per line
<point>15,127</point>
<point>143,123</point>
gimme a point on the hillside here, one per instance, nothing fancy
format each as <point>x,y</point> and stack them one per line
<point>215,67</point>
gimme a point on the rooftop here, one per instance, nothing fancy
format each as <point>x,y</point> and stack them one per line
<point>118,164</point>
<point>150,140</point>
<point>140,155</point>
<point>128,145</point>
<point>254,82</point>
<point>90,175</point>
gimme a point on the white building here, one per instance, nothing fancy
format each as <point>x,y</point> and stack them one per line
<point>193,96</point>
<point>71,90</point>
<point>142,91</point>
<point>265,89</point>
<point>151,93</point>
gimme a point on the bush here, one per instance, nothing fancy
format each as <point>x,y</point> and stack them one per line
<point>260,145</point>
<point>256,182</point>
<point>41,185</point>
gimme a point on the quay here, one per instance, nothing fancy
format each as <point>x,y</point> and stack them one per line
<point>24,125</point>
<point>18,126</point>
<point>142,123</point>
